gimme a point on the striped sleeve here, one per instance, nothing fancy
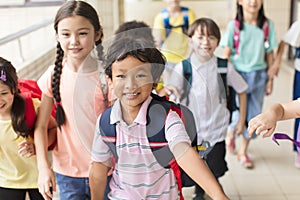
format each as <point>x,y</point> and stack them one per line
<point>100,151</point>
<point>175,130</point>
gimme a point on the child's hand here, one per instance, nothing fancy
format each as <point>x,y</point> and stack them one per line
<point>167,90</point>
<point>239,128</point>
<point>261,123</point>
<point>26,149</point>
<point>273,70</point>
<point>269,87</point>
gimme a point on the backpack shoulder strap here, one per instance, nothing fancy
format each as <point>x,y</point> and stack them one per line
<point>229,91</point>
<point>188,78</point>
<point>156,116</point>
<point>222,65</point>
<point>236,36</point>
<point>185,13</point>
<point>166,21</point>
<point>266,28</point>
<point>30,113</point>
<point>108,131</point>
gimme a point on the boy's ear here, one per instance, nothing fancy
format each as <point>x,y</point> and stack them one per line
<point>154,85</point>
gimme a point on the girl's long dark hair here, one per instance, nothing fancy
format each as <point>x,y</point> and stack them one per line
<point>18,107</point>
<point>260,19</point>
<point>69,9</point>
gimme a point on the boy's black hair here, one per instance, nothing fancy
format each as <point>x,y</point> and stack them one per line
<point>135,29</point>
<point>210,25</point>
<point>18,107</point>
<point>261,18</point>
<point>140,49</point>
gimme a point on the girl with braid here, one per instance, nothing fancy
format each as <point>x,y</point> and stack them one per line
<point>18,166</point>
<point>76,85</point>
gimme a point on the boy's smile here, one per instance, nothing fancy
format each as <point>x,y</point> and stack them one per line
<point>204,45</point>
<point>132,83</point>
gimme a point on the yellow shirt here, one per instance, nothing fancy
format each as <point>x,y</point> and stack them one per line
<point>15,171</point>
<point>175,46</point>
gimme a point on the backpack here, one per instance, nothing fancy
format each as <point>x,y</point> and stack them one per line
<point>28,90</point>
<point>222,71</point>
<point>156,116</point>
<point>168,26</point>
<point>236,35</point>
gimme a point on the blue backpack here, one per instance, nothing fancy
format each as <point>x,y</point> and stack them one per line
<point>168,26</point>
<point>156,115</point>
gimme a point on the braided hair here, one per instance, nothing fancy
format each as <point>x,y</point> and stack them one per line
<point>69,9</point>
<point>9,77</point>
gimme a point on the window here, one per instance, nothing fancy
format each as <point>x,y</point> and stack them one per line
<point>22,3</point>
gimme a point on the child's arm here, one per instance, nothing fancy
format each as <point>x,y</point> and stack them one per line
<point>239,128</point>
<point>266,121</point>
<point>97,179</point>
<point>52,131</point>
<point>46,176</point>
<point>196,168</point>
<point>226,52</point>
<point>273,71</point>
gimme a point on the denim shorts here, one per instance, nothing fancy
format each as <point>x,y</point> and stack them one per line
<point>73,188</point>
<point>256,81</point>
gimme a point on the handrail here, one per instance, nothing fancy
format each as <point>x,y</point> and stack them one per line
<point>25,31</point>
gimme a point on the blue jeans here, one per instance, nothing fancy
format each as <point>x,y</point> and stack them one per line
<point>73,188</point>
<point>256,81</point>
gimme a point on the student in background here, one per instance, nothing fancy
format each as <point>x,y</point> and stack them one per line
<point>170,33</point>
<point>76,84</point>
<point>207,94</point>
<point>292,37</point>
<point>250,30</point>
<point>18,165</point>
<point>135,69</point>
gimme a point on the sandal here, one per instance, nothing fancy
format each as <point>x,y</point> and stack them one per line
<point>230,145</point>
<point>245,161</point>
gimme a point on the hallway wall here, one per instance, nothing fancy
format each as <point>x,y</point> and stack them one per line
<point>219,10</point>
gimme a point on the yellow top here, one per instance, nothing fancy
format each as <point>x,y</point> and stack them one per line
<point>175,46</point>
<point>15,171</point>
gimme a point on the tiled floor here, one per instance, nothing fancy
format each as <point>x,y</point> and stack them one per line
<point>274,177</point>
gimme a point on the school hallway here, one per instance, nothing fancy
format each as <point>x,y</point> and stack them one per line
<point>274,176</point>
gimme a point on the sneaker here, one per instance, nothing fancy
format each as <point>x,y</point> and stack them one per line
<point>297,161</point>
<point>245,161</point>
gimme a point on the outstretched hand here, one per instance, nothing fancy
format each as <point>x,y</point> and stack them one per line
<point>264,123</point>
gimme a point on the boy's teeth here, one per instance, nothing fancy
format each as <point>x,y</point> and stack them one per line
<point>131,94</point>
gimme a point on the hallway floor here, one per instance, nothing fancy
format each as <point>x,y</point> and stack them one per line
<point>275,176</point>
